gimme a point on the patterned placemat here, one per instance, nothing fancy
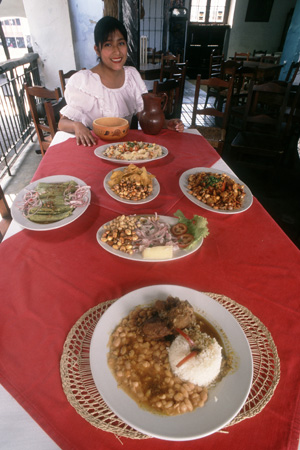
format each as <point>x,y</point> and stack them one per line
<point>81,392</point>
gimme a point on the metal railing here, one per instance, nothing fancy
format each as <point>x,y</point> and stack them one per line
<point>15,120</point>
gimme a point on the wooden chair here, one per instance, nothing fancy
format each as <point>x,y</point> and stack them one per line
<point>240,56</point>
<point>292,72</point>
<point>166,64</point>
<point>172,89</point>
<point>5,215</point>
<point>215,133</point>
<point>216,63</point>
<point>65,76</point>
<point>50,102</point>
<point>178,71</point>
<point>264,134</point>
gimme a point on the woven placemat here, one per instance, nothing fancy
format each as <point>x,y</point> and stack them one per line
<point>81,392</point>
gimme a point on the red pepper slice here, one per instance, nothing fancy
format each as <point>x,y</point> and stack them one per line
<point>185,240</point>
<point>186,358</point>
<point>179,229</point>
<point>186,337</point>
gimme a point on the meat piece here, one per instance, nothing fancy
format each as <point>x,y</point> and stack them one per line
<point>156,328</point>
<point>181,316</point>
<point>171,313</point>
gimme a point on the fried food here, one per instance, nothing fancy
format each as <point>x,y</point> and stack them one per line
<point>132,183</point>
<point>218,191</point>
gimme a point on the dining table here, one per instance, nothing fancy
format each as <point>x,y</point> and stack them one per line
<point>263,71</point>
<point>150,71</point>
<point>57,283</point>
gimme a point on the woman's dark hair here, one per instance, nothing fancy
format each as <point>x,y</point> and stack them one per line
<point>105,26</point>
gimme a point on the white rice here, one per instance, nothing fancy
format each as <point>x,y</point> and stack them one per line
<point>201,369</point>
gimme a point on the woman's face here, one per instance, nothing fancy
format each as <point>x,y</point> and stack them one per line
<point>113,52</point>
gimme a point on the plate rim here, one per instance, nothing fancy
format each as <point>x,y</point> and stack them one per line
<point>17,214</point>
<point>122,161</point>
<point>182,182</point>
<point>152,196</point>
<point>131,258</point>
<point>169,425</point>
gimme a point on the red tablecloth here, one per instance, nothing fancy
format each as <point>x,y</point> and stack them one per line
<point>49,279</point>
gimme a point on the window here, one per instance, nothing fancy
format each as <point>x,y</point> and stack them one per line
<point>209,11</point>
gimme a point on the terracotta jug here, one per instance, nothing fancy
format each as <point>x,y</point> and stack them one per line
<point>152,117</point>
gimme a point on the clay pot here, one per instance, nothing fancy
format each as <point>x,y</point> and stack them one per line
<point>152,117</point>
<point>110,128</point>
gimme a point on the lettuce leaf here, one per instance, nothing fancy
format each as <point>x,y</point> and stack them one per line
<point>197,226</point>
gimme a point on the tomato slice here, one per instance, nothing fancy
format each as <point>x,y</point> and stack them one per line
<point>185,239</point>
<point>178,229</point>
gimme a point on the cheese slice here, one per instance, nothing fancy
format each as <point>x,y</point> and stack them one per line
<point>159,252</point>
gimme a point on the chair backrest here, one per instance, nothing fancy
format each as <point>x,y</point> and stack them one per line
<point>5,215</point>
<point>170,87</point>
<point>178,72</point>
<point>216,66</point>
<point>293,71</point>
<point>63,76</point>
<point>240,56</point>
<point>52,102</point>
<point>265,107</point>
<point>217,84</point>
<point>151,55</point>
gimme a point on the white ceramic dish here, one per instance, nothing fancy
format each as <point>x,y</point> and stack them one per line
<point>152,196</point>
<point>99,151</point>
<point>180,253</point>
<point>225,400</point>
<point>25,223</point>
<point>183,183</point>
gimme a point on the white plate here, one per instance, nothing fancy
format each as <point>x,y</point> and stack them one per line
<point>25,223</point>
<point>180,253</point>
<point>154,193</point>
<point>99,151</point>
<point>183,183</point>
<point>225,400</point>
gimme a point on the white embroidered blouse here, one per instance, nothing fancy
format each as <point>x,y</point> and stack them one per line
<point>87,98</point>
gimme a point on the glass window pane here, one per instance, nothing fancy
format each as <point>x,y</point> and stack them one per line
<point>217,10</point>
<point>198,9</point>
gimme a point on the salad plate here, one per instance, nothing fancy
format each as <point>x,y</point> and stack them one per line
<point>225,399</point>
<point>19,217</point>
<point>100,152</point>
<point>152,196</point>
<point>183,183</point>
<point>180,253</point>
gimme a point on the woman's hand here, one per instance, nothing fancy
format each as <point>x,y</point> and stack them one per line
<point>175,124</point>
<point>83,135</point>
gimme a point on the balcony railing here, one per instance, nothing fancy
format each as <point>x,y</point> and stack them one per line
<point>15,120</point>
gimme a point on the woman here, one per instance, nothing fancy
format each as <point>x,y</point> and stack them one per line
<point>107,90</point>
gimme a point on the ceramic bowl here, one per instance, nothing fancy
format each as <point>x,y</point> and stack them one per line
<point>110,128</point>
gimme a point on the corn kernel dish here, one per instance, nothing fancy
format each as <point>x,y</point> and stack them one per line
<point>131,185</point>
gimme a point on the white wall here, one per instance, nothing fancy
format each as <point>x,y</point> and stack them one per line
<point>249,36</point>
<point>84,16</point>
<point>50,28</point>
<point>12,8</point>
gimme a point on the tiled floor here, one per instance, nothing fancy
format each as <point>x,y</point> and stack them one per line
<point>279,195</point>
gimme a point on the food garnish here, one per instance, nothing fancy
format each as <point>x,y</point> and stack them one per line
<point>133,151</point>
<point>197,227</point>
<point>187,357</point>
<point>186,337</point>
<point>51,202</point>
<point>131,183</point>
<point>218,191</point>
